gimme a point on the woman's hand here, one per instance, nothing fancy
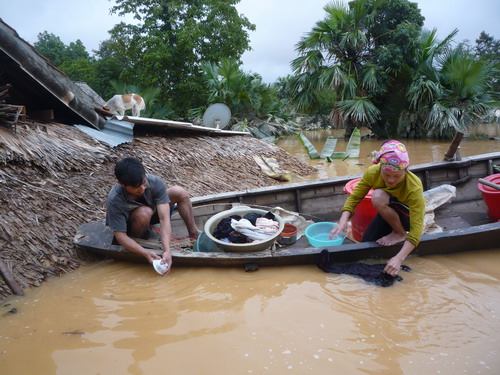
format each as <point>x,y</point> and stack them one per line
<point>337,230</point>
<point>393,266</point>
<point>341,226</point>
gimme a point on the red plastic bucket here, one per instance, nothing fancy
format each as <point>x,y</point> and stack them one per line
<point>364,212</point>
<point>491,196</point>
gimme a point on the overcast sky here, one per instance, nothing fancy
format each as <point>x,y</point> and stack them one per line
<point>280,24</point>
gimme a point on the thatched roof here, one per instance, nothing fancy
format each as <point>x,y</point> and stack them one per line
<point>53,178</point>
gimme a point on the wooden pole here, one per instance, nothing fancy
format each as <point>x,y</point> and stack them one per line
<point>9,279</point>
<point>489,183</point>
<point>450,154</point>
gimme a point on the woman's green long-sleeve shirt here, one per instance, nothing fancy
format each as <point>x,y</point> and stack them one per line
<point>409,192</point>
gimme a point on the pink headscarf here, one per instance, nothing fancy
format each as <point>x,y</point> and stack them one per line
<point>392,156</point>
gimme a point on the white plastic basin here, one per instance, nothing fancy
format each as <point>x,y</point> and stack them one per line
<point>212,223</point>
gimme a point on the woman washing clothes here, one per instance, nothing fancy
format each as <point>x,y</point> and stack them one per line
<point>398,198</point>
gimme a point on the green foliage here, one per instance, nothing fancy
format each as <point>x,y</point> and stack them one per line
<point>313,153</point>
<point>52,47</point>
<point>356,52</point>
<point>450,90</point>
<point>390,76</point>
<point>352,148</point>
<point>360,110</point>
<point>75,61</point>
<point>76,51</point>
<point>255,106</point>
<point>226,83</point>
<point>488,46</point>
<point>171,39</point>
<point>105,70</point>
<point>354,144</point>
<point>329,147</point>
<point>367,63</point>
<point>78,70</point>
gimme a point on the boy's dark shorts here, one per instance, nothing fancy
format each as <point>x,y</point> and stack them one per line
<point>155,219</point>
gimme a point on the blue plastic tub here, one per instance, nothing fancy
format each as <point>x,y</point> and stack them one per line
<point>317,235</point>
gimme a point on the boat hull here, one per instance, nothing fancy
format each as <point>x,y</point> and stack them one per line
<point>464,222</point>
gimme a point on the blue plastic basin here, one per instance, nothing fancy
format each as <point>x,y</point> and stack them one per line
<point>317,235</point>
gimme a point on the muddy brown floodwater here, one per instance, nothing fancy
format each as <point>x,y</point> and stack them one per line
<point>420,151</point>
<point>122,318</point>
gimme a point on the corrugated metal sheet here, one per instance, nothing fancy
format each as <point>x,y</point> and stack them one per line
<point>120,129</point>
<point>114,132</point>
<point>177,125</point>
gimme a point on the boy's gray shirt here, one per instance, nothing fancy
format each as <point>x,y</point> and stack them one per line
<point>119,205</point>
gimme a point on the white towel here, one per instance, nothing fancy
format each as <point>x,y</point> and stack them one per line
<point>245,227</point>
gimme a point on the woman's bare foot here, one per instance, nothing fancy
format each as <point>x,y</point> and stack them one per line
<point>391,239</point>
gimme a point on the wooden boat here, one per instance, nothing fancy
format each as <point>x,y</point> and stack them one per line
<point>465,223</point>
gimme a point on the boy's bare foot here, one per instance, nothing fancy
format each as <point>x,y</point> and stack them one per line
<point>391,239</point>
<point>194,235</point>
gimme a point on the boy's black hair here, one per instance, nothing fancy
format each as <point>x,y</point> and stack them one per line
<point>130,172</point>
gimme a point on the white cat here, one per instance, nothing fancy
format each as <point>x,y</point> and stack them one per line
<point>118,104</point>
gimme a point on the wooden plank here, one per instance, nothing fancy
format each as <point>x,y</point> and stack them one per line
<point>9,279</point>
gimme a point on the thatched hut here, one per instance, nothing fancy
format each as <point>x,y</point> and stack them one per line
<point>54,177</point>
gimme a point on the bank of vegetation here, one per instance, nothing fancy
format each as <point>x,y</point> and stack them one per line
<point>367,63</point>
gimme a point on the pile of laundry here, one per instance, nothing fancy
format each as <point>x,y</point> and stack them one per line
<point>251,227</point>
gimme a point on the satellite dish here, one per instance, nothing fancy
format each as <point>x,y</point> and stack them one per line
<point>217,116</point>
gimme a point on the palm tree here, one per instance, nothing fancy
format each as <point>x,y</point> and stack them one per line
<point>363,52</point>
<point>424,87</point>
<point>449,92</point>
<point>245,94</point>
<point>335,56</point>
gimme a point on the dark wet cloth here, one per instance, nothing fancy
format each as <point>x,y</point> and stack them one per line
<point>269,215</point>
<point>225,230</point>
<point>237,237</point>
<point>224,227</point>
<point>252,217</point>
<point>371,273</point>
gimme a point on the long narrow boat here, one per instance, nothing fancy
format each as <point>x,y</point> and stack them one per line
<point>465,223</point>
